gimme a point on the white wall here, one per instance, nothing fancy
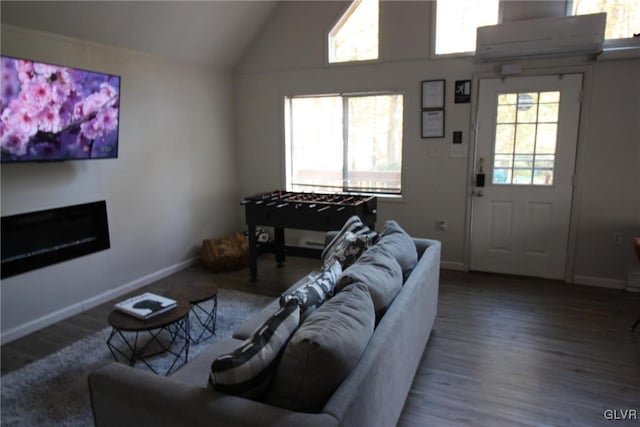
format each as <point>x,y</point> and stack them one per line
<point>608,193</point>
<point>173,185</point>
<point>288,58</point>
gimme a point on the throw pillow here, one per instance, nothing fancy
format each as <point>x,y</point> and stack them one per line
<point>349,249</point>
<point>378,269</point>
<point>247,370</point>
<point>322,352</point>
<point>400,244</point>
<point>350,242</point>
<point>312,294</point>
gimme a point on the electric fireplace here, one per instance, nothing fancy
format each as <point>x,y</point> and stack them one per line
<point>37,239</point>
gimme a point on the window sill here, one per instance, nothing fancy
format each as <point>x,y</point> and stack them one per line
<point>454,55</point>
<point>390,198</point>
<point>384,198</point>
<point>627,52</point>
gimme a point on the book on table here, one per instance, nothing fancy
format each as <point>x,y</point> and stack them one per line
<point>146,305</point>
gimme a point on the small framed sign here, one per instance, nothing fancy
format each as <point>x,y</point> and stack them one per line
<point>432,94</point>
<point>462,92</point>
<point>433,124</point>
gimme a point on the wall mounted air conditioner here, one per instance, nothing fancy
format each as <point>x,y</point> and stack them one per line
<point>566,35</point>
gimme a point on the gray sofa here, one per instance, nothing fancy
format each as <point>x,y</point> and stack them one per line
<point>373,394</point>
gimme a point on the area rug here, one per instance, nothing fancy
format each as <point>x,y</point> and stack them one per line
<point>54,391</point>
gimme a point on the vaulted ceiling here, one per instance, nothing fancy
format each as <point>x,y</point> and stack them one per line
<point>215,33</point>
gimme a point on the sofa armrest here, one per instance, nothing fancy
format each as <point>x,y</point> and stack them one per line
<point>126,396</point>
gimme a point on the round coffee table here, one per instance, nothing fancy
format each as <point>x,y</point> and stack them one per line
<point>162,331</point>
<point>202,312</point>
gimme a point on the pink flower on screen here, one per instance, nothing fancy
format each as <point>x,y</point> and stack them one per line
<point>64,77</point>
<point>107,119</point>
<point>10,89</point>
<point>7,65</point>
<point>108,91</point>
<point>37,93</point>
<point>49,120</point>
<point>25,70</point>
<point>14,142</point>
<point>45,70</point>
<point>60,92</point>
<point>90,129</point>
<point>20,118</point>
<point>90,105</point>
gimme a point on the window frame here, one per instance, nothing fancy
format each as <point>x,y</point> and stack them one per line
<point>534,154</point>
<point>287,134</point>
<point>434,33</point>
<point>610,44</point>
<point>344,16</point>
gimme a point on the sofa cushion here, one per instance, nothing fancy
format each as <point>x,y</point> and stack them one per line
<point>400,244</point>
<point>247,370</point>
<point>323,350</point>
<point>351,241</point>
<point>351,247</point>
<point>379,270</point>
<point>249,326</point>
<point>192,372</point>
<point>318,288</point>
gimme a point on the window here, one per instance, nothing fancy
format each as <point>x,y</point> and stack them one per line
<point>623,16</point>
<point>525,139</point>
<point>457,21</point>
<point>349,142</point>
<point>355,36</point>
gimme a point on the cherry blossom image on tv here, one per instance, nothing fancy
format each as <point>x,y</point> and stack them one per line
<point>50,112</point>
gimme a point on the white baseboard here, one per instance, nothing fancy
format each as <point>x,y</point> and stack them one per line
<point>77,308</point>
<point>601,282</point>
<point>453,265</point>
<point>633,281</point>
<point>39,323</point>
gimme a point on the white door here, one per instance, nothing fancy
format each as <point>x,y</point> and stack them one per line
<point>526,137</point>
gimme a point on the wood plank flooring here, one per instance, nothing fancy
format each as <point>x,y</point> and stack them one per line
<point>508,351</point>
<point>505,351</point>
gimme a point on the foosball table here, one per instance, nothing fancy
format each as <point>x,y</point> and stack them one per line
<point>305,211</point>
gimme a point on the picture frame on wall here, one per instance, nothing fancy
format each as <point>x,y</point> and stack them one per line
<point>462,92</point>
<point>432,123</point>
<point>433,94</point>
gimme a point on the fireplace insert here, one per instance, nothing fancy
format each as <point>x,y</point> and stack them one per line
<point>37,239</point>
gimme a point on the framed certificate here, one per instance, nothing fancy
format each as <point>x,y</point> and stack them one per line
<point>432,94</point>
<point>433,124</point>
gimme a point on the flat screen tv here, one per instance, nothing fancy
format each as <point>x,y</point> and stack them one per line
<point>52,113</point>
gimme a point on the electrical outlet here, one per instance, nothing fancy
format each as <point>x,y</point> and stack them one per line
<point>617,238</point>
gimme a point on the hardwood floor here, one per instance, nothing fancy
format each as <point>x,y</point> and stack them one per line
<point>272,281</point>
<point>505,351</point>
<point>508,351</point>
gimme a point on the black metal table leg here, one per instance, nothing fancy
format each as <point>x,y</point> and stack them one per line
<point>126,344</point>
<point>206,319</point>
<point>253,253</point>
<point>279,242</point>
<point>134,340</point>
